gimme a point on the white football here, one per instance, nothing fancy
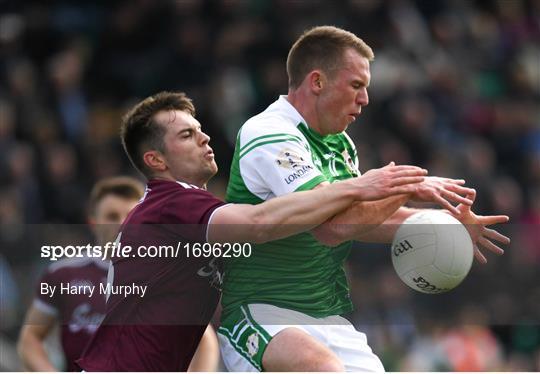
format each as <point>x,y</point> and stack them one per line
<point>432,252</point>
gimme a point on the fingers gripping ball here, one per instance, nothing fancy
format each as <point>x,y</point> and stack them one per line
<point>432,252</point>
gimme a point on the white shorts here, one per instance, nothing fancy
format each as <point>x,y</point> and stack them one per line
<point>243,342</point>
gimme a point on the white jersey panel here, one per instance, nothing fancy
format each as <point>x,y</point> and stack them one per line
<point>275,157</point>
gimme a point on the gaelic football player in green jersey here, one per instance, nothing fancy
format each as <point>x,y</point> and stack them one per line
<point>281,306</point>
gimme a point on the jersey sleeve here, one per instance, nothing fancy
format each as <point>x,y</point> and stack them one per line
<point>42,300</point>
<point>275,161</point>
<point>191,209</point>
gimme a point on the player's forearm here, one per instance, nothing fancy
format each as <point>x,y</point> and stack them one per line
<point>281,217</point>
<point>298,212</point>
<point>385,232</point>
<point>359,221</point>
<point>32,352</point>
<point>206,357</point>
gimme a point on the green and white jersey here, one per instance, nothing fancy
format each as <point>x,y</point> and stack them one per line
<point>276,154</point>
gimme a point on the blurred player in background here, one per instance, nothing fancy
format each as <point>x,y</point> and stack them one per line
<point>111,200</point>
<point>160,331</point>
<point>281,306</point>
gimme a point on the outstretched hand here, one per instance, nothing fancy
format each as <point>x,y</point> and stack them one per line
<point>482,236</point>
<point>443,191</point>
<point>390,180</point>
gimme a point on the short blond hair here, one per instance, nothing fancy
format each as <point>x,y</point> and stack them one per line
<point>322,47</point>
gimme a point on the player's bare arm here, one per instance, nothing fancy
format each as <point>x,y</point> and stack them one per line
<point>206,357</point>
<point>30,345</point>
<point>362,217</point>
<point>481,235</point>
<point>358,220</point>
<point>302,211</point>
<point>371,226</point>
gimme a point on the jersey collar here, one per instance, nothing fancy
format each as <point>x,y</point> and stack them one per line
<point>283,105</point>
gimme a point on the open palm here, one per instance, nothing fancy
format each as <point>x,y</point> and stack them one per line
<point>482,237</point>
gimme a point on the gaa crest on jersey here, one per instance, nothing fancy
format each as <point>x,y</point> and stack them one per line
<point>252,344</point>
<point>349,162</point>
<point>289,159</point>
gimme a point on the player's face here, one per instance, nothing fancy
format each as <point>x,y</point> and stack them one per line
<point>344,94</point>
<point>187,154</point>
<point>109,213</point>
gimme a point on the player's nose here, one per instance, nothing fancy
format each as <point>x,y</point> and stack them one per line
<point>362,98</point>
<point>204,138</point>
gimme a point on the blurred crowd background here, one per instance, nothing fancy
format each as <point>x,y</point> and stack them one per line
<point>455,88</point>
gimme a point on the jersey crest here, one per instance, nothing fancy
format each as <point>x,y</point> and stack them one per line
<point>289,159</point>
<point>252,344</point>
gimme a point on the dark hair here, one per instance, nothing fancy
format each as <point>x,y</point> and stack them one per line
<point>322,47</point>
<point>125,187</point>
<point>140,132</point>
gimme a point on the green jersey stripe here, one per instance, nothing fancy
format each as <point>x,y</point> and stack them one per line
<point>311,183</point>
<point>239,328</point>
<point>284,139</point>
<point>262,332</point>
<point>268,136</point>
<point>239,349</point>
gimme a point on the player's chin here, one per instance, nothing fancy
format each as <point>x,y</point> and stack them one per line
<point>213,168</point>
<point>344,126</point>
<point>347,120</point>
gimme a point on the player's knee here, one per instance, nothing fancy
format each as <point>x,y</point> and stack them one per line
<point>308,362</point>
<point>294,350</point>
<point>326,363</point>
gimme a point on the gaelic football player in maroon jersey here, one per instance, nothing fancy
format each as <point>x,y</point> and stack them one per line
<point>78,314</point>
<point>160,330</point>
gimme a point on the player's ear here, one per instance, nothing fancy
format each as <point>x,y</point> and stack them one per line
<point>316,81</point>
<point>154,160</point>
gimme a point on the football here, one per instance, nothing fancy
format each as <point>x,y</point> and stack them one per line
<point>432,252</point>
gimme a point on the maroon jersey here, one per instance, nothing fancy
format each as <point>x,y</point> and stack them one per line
<point>79,310</point>
<point>161,330</point>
